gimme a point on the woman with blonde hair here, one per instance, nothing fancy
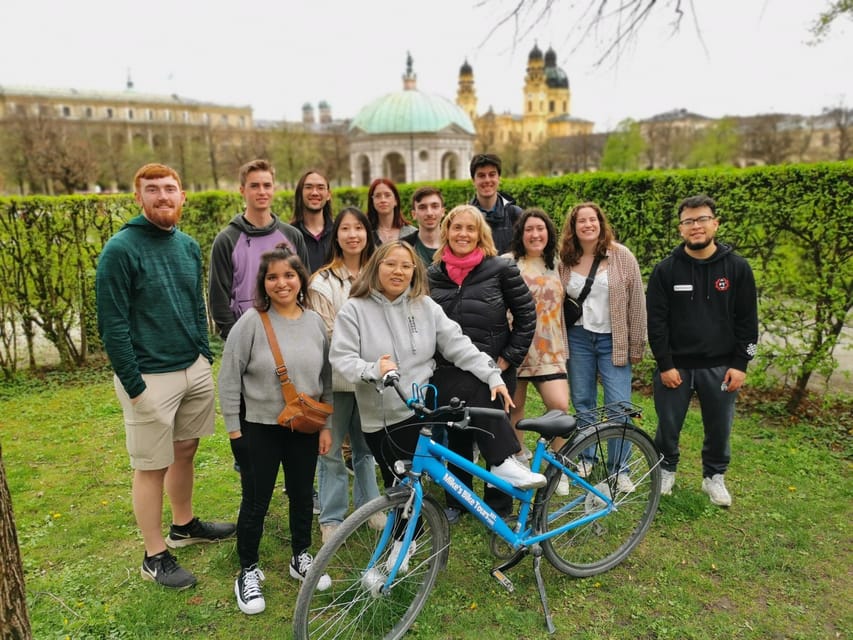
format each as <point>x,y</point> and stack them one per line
<point>477,288</point>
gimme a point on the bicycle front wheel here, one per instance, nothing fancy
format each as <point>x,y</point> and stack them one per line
<point>622,463</point>
<point>356,605</point>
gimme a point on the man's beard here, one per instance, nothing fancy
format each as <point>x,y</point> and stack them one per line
<point>165,220</point>
<point>698,246</point>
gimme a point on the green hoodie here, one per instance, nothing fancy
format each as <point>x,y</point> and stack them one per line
<point>151,313</point>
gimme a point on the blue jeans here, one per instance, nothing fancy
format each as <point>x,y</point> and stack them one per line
<point>332,475</point>
<point>590,357</point>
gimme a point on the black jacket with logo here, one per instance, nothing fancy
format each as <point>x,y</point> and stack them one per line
<point>702,313</point>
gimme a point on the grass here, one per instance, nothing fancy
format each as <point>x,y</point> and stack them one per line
<point>775,565</point>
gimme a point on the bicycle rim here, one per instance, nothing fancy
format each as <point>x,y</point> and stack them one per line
<point>601,544</point>
<point>354,607</point>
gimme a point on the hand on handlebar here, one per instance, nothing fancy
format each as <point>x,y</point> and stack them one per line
<point>386,364</point>
<point>503,392</point>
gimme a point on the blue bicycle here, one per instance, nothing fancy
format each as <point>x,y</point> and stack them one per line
<point>587,519</point>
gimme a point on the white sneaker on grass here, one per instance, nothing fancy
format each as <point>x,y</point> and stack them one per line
<point>377,520</point>
<point>584,467</point>
<point>327,530</point>
<point>667,482</point>
<point>395,553</point>
<point>624,484</point>
<point>563,485</point>
<point>715,487</point>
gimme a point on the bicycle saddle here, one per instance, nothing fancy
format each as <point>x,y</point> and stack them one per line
<point>552,424</point>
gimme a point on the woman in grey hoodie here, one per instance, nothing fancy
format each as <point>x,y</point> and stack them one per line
<point>391,323</point>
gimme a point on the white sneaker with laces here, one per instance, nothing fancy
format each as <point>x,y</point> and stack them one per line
<point>300,565</point>
<point>624,484</point>
<point>584,467</point>
<point>247,588</point>
<point>395,553</point>
<point>377,520</point>
<point>667,482</point>
<point>715,487</point>
<point>518,475</point>
<point>563,485</point>
<point>327,530</point>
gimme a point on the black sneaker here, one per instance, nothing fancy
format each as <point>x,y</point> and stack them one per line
<point>247,588</point>
<point>164,569</point>
<point>300,565</point>
<point>453,515</point>
<point>199,531</point>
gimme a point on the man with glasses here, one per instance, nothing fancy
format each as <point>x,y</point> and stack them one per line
<point>237,249</point>
<point>312,215</point>
<point>498,208</point>
<point>427,211</point>
<point>703,330</point>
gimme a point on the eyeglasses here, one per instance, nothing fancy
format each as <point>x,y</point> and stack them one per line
<point>405,267</point>
<point>383,196</point>
<point>319,188</point>
<point>689,222</point>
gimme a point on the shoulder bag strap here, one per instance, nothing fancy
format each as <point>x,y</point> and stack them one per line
<point>589,280</point>
<point>288,391</point>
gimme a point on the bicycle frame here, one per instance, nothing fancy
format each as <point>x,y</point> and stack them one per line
<point>429,459</point>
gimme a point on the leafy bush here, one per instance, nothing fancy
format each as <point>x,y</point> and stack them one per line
<point>794,224</point>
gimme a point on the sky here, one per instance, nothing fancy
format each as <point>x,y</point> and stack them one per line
<point>729,57</point>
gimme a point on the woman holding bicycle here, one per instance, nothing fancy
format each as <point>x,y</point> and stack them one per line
<point>390,323</point>
<point>610,335</point>
<point>478,289</point>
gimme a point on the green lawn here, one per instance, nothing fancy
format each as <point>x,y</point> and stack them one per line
<point>775,565</point>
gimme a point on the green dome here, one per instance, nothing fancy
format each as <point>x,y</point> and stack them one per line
<point>411,111</point>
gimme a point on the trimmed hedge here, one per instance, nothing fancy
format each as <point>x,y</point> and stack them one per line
<point>794,223</point>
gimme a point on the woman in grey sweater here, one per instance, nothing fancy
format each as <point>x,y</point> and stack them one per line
<point>248,370</point>
<point>391,323</point>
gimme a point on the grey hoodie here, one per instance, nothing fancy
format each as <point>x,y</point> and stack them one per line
<point>408,330</point>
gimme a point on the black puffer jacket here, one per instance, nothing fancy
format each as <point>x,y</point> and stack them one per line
<point>480,306</point>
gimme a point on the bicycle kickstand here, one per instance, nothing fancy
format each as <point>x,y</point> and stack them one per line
<point>540,584</point>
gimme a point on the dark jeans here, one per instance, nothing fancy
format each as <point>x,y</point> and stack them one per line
<point>495,446</point>
<point>718,412</point>
<point>266,447</point>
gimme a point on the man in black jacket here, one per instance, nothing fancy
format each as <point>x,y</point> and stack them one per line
<point>500,211</point>
<point>703,329</point>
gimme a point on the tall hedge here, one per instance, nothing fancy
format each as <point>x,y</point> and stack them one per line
<point>794,223</point>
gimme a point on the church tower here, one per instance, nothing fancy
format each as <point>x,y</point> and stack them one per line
<point>535,100</point>
<point>466,97</point>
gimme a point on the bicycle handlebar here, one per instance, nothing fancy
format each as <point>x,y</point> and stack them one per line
<point>456,407</point>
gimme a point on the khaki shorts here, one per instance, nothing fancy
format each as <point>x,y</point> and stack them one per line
<point>178,405</point>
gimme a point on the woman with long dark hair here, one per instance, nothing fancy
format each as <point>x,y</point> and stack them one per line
<point>385,213</point>
<point>249,370</point>
<point>350,249</point>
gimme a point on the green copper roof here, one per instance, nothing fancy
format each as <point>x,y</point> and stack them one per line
<point>411,111</point>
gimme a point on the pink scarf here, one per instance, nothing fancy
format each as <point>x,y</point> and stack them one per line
<point>459,268</point>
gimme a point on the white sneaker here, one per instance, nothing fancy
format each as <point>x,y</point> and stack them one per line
<point>247,588</point>
<point>592,502</point>
<point>377,520</point>
<point>301,564</point>
<point>327,530</point>
<point>395,553</point>
<point>624,484</point>
<point>584,467</point>
<point>563,485</point>
<point>667,481</point>
<point>715,487</point>
<point>518,475</point>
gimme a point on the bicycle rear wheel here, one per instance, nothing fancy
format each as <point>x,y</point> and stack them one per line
<point>634,486</point>
<point>354,606</point>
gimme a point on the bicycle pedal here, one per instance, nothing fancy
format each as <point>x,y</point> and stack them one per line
<point>500,576</point>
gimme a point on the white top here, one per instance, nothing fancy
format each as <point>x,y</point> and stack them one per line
<point>596,307</point>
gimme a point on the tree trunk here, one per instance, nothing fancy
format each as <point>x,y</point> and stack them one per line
<point>14,621</point>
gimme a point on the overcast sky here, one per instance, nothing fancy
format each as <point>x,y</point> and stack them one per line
<point>276,55</point>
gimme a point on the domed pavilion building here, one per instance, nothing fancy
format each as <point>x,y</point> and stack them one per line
<point>410,136</point>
